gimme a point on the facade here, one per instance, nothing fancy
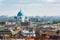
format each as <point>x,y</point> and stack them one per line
<point>2,24</point>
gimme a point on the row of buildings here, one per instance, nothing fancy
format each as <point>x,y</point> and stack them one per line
<point>24,25</point>
<point>18,25</point>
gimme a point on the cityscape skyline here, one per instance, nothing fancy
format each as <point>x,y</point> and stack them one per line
<point>30,7</point>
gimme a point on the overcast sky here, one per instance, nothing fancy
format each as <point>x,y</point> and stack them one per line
<point>30,7</point>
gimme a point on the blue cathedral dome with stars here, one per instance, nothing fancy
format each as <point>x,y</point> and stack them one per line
<point>20,13</point>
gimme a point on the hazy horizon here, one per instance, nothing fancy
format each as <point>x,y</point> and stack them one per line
<point>30,7</point>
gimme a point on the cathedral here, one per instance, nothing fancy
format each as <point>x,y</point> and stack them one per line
<point>21,18</point>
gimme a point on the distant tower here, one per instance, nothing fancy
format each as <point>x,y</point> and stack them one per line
<point>26,19</point>
<point>19,16</point>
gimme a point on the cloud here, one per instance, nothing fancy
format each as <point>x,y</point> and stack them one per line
<point>29,7</point>
<point>49,0</point>
<point>1,0</point>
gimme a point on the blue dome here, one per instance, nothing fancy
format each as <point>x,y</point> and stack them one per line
<point>15,17</point>
<point>19,14</point>
<point>26,17</point>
